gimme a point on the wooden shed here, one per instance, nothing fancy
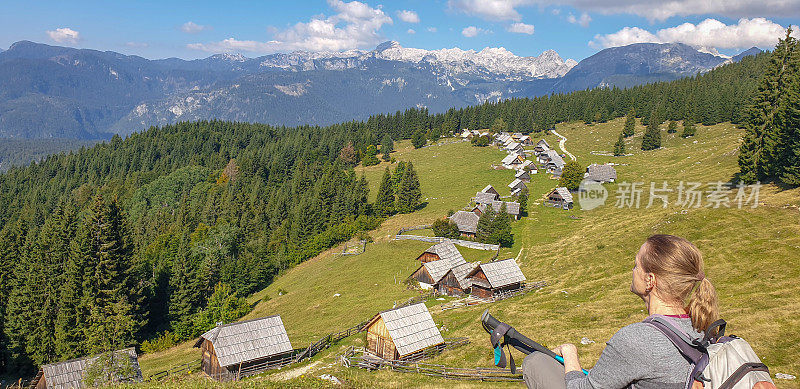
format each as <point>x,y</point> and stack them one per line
<point>467,223</point>
<point>490,189</point>
<point>490,279</point>
<point>70,374</point>
<point>430,273</point>
<point>523,175</point>
<point>441,251</point>
<point>541,147</point>
<point>402,333</point>
<point>455,281</point>
<point>601,173</point>
<point>559,197</point>
<point>229,348</point>
<point>485,198</point>
<point>517,186</point>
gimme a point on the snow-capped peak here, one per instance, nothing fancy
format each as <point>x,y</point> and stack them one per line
<point>232,57</point>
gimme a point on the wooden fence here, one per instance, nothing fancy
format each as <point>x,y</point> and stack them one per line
<point>438,239</point>
<point>414,228</point>
<point>359,359</point>
<point>185,368</point>
<point>474,300</point>
<point>19,384</point>
<point>353,249</point>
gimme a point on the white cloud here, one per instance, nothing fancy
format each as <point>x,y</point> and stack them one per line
<point>498,10</point>
<point>193,28</point>
<point>521,28</point>
<point>137,45</point>
<point>411,31</point>
<point>556,11</point>
<point>709,35</point>
<point>408,16</point>
<point>432,29</point>
<point>64,35</point>
<point>354,25</point>
<point>472,31</point>
<point>583,20</point>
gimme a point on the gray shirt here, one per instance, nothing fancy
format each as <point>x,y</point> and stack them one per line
<point>637,354</point>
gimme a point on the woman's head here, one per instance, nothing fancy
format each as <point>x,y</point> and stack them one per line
<point>671,268</point>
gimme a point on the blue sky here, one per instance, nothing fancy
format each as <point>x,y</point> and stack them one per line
<point>574,28</point>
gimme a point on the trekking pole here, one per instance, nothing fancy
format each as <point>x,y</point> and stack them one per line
<point>517,340</point>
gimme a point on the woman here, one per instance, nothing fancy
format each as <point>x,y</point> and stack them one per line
<point>667,272</point>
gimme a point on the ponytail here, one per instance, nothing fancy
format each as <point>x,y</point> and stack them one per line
<point>679,266</point>
<point>703,307</point>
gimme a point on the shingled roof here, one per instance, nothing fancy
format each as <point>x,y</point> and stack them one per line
<point>512,207</point>
<point>489,189</point>
<point>485,198</point>
<point>69,374</point>
<point>248,340</point>
<point>411,328</point>
<point>601,173</point>
<point>565,194</point>
<point>500,273</point>
<point>447,252</point>
<point>466,221</point>
<point>461,272</point>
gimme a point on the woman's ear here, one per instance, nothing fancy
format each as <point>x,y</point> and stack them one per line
<point>650,281</point>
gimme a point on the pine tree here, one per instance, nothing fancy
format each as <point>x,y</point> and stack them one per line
<point>409,194</point>
<point>619,147</point>
<point>501,228</point>
<point>688,128</point>
<point>369,156</point>
<point>387,146</point>
<point>522,199</point>
<point>757,158</point>
<point>630,123</point>
<point>397,175</point>
<point>652,135</point>
<point>673,127</point>
<point>485,229</point>
<point>787,123</point>
<point>572,175</point>
<point>108,289</point>
<point>385,203</point>
<point>418,139</point>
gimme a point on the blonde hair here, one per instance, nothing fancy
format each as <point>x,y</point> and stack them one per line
<point>678,264</point>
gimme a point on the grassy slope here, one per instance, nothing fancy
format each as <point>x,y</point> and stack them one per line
<point>751,256</point>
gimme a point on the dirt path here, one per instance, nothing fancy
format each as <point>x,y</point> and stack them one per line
<point>294,373</point>
<point>561,144</point>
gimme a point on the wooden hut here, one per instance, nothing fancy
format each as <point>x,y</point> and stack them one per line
<point>559,197</point>
<point>525,140</point>
<point>488,280</point>
<point>402,333</point>
<point>485,198</point>
<point>227,349</point>
<point>70,374</point>
<point>430,273</point>
<point>467,223</point>
<point>512,161</point>
<point>600,173</point>
<point>446,251</point>
<point>541,147</point>
<point>523,175</point>
<point>455,281</point>
<point>517,186</point>
<point>490,189</point>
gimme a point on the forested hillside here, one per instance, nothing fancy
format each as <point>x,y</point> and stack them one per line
<point>134,235</point>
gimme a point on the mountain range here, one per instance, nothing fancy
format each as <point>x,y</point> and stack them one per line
<point>59,92</point>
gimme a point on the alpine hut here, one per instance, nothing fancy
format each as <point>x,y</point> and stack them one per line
<point>231,351</point>
<point>446,251</point>
<point>512,161</point>
<point>485,198</point>
<point>554,164</point>
<point>600,173</point>
<point>559,197</point>
<point>402,333</point>
<point>467,223</point>
<point>70,374</point>
<point>430,273</point>
<point>525,140</point>
<point>541,147</point>
<point>455,281</point>
<point>517,186</point>
<point>490,189</point>
<point>488,280</point>
<point>523,175</point>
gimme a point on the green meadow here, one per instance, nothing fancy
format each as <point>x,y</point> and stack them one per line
<point>752,256</point>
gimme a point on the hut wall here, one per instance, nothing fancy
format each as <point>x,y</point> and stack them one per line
<point>449,285</point>
<point>481,292</point>
<point>210,363</point>
<point>428,257</point>
<point>379,342</point>
<point>423,276</point>
<point>42,384</point>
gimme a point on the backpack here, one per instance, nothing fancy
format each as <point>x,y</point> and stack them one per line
<point>718,361</point>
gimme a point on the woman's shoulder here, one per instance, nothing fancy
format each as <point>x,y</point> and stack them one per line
<point>643,336</point>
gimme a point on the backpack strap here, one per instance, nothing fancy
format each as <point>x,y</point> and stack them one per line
<point>741,372</point>
<point>693,350</point>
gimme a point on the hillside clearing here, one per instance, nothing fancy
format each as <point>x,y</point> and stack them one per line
<point>752,257</point>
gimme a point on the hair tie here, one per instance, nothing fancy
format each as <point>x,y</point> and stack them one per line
<point>701,276</point>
